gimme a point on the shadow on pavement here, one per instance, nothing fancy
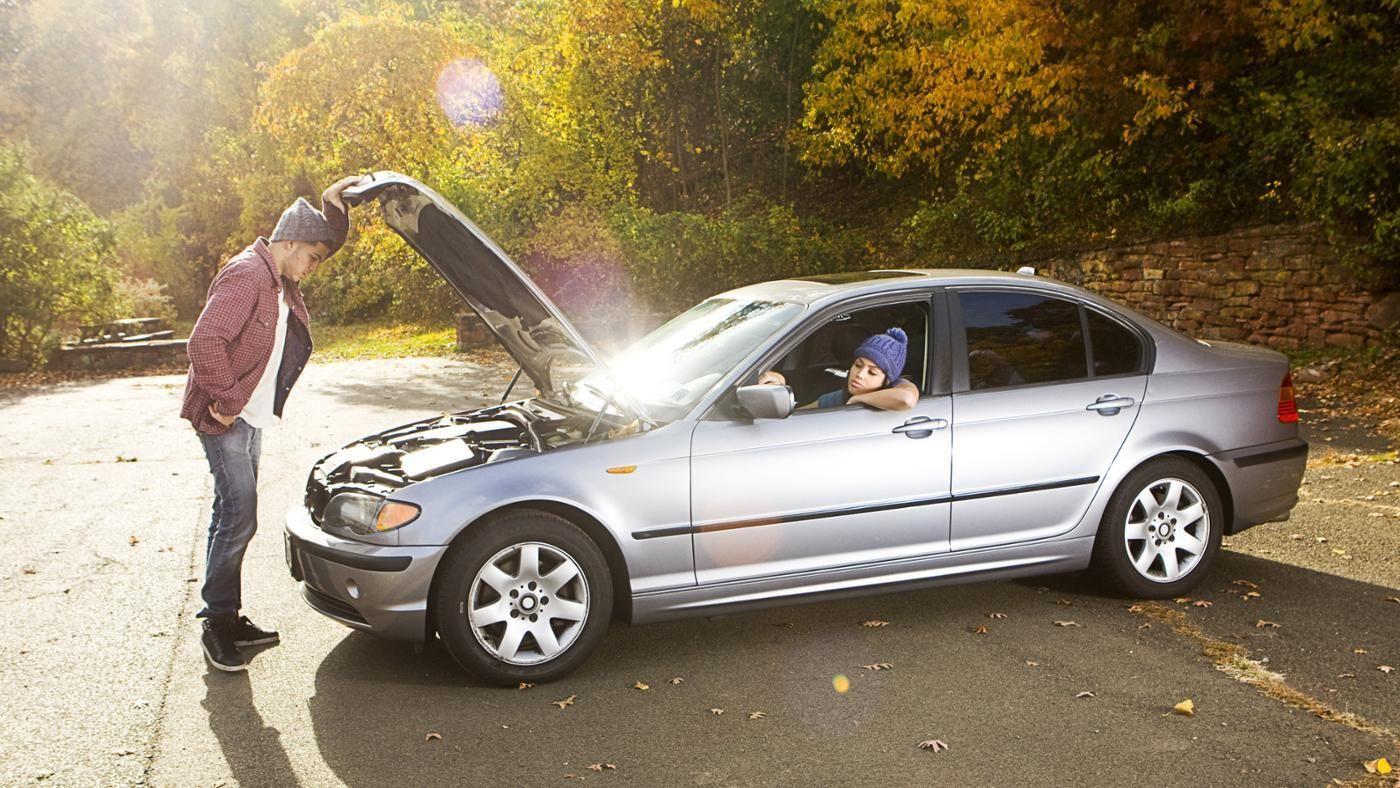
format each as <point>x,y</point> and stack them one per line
<point>252,750</point>
<point>375,701</point>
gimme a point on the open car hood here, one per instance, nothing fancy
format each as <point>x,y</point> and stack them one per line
<point>527,323</point>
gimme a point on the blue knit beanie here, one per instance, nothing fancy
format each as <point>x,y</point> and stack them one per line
<point>887,350</point>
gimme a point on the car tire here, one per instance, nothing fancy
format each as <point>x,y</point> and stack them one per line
<point>1161,530</point>
<point>525,597</point>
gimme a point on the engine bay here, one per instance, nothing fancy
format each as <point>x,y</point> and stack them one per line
<point>396,458</point>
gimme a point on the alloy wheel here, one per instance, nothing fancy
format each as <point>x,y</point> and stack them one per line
<point>1167,530</point>
<point>528,603</point>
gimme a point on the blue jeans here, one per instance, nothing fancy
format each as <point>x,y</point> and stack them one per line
<point>233,459</point>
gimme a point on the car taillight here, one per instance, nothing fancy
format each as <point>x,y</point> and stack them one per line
<point>1287,408</point>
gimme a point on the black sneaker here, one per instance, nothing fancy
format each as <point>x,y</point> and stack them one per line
<point>246,633</point>
<point>219,649</point>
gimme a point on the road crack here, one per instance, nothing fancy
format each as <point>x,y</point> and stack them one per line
<point>158,729</point>
<point>1234,661</point>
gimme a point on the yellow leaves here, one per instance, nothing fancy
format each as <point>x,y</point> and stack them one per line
<point>564,702</point>
<point>933,745</point>
<point>878,666</point>
<point>980,629</point>
<point>432,737</point>
<point>996,615</point>
<point>1185,708</point>
<point>757,715</point>
<point>1264,623</point>
<point>874,623</point>
<point>1066,624</point>
<point>641,686</point>
<point>1378,766</point>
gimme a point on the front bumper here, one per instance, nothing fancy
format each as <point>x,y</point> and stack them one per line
<point>1264,480</point>
<point>376,588</point>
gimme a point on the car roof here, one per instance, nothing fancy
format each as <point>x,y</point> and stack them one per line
<point>820,288</point>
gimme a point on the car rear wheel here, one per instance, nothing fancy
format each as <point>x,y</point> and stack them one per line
<point>1161,531</point>
<point>525,597</point>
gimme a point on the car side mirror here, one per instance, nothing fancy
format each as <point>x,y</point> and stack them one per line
<point>768,401</point>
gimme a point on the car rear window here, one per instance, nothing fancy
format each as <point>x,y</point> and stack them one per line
<point>1018,339</point>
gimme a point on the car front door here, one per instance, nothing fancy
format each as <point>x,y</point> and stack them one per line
<point>823,489</point>
<point>1034,430</point>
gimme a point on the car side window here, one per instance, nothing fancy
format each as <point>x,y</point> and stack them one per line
<point>1116,350</point>
<point>1022,338</point>
<point>819,364</point>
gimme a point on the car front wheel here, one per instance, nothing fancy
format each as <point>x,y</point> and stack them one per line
<point>525,597</point>
<point>1161,531</point>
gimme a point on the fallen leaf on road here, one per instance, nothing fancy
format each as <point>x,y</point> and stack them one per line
<point>874,622</point>
<point>1248,595</point>
<point>1202,603</point>
<point>525,685</point>
<point>1185,708</point>
<point>878,666</point>
<point>433,737</point>
<point>936,745</point>
<point>716,712</point>
<point>639,685</point>
<point>981,629</point>
<point>134,540</point>
<point>29,570</point>
<point>1248,584</point>
<point>757,715</point>
<point>1395,599</point>
<point>996,615</point>
<point>1032,663</point>
<point>1085,694</point>
<point>1144,626</point>
<point>676,680</point>
<point>1378,766</point>
<point>598,767</point>
<point>1264,623</point>
<point>1346,675</point>
<point>569,701</point>
<point>1358,651</point>
<point>1066,624</point>
<point>122,751</point>
<point>1321,540</point>
<point>1181,600</point>
<point>1064,602</point>
<point>1384,668</point>
<point>1135,608</point>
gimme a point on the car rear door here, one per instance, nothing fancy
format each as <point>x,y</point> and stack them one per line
<point>1038,417</point>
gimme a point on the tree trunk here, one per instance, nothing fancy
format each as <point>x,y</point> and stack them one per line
<point>723,134</point>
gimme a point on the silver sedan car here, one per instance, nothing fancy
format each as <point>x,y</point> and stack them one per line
<point>1055,430</point>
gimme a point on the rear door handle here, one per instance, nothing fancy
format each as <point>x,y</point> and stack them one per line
<point>1110,404</point>
<point>920,426</point>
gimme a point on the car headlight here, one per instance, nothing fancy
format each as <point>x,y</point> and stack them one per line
<point>368,514</point>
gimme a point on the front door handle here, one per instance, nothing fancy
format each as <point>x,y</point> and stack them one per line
<point>920,426</point>
<point>1110,404</point>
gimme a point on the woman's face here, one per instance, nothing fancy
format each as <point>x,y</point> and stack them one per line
<point>864,377</point>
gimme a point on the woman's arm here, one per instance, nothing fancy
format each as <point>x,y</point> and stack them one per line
<point>900,396</point>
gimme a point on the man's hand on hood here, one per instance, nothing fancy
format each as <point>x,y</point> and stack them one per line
<point>332,195</point>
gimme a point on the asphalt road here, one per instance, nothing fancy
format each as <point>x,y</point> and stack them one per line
<point>104,499</point>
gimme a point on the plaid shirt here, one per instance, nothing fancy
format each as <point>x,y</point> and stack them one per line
<point>232,341</point>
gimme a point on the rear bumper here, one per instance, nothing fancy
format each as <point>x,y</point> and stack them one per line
<point>1264,480</point>
<point>375,588</point>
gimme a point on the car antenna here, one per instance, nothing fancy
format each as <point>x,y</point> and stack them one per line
<point>511,387</point>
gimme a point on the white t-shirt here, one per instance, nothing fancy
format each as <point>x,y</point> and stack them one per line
<point>258,411</point>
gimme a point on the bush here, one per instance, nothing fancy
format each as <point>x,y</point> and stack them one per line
<point>55,260</point>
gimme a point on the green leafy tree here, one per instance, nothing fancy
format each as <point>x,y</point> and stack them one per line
<point>55,260</point>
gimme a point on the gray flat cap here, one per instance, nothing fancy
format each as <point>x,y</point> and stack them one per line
<point>301,222</point>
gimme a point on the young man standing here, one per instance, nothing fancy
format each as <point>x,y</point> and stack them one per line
<point>246,351</point>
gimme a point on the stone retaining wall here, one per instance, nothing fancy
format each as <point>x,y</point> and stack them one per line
<point>1279,285</point>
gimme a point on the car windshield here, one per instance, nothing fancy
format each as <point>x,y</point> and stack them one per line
<point>670,369</point>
